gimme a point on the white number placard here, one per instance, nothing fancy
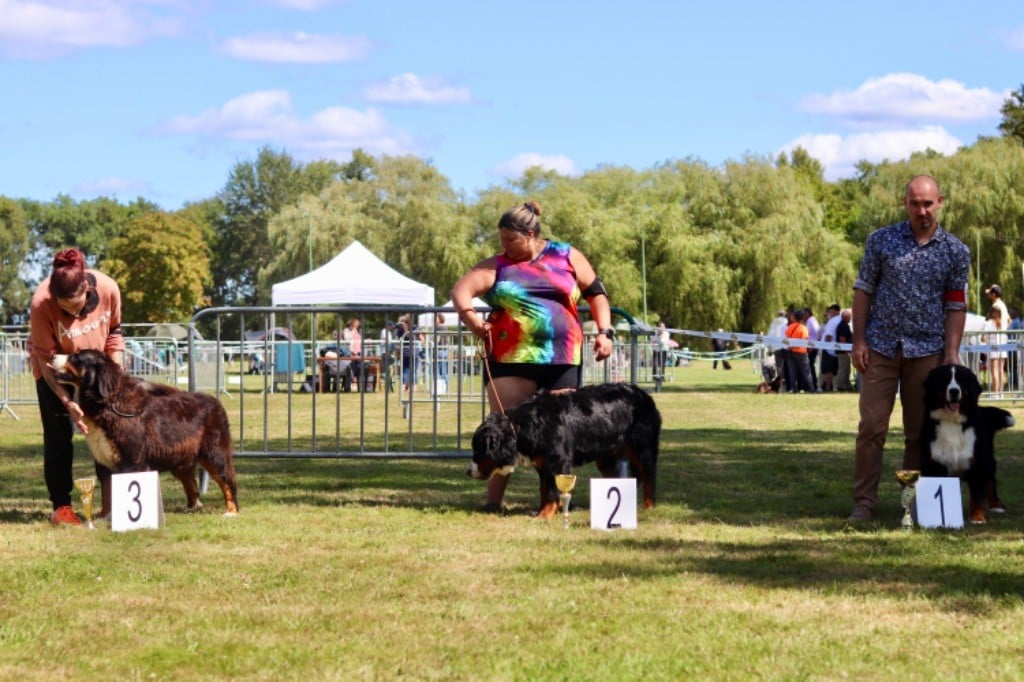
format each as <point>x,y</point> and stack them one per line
<point>612,503</point>
<point>938,503</point>
<point>136,501</point>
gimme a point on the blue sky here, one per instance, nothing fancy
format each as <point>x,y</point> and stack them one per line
<point>160,98</point>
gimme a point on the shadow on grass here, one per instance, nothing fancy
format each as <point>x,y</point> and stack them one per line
<point>941,566</point>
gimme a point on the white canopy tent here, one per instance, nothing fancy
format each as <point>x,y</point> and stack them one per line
<point>354,276</point>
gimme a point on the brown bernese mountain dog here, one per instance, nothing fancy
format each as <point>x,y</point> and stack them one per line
<point>603,424</point>
<point>135,425</point>
<point>958,436</point>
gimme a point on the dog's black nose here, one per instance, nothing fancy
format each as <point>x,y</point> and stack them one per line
<point>954,395</point>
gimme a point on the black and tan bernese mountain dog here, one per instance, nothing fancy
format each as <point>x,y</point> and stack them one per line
<point>135,425</point>
<point>603,424</point>
<point>958,436</point>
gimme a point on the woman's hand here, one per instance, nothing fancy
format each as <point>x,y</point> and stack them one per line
<point>77,416</point>
<point>602,347</point>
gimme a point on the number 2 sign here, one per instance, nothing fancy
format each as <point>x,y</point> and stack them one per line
<point>136,501</point>
<point>612,503</point>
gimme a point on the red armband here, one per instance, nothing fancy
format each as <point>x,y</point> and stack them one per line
<point>955,296</point>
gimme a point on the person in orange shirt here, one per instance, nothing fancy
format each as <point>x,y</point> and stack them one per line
<point>73,309</point>
<point>798,364</point>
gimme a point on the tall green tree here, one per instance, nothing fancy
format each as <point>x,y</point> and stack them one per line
<point>404,211</point>
<point>162,264</point>
<point>255,192</point>
<point>14,248</point>
<point>1012,110</point>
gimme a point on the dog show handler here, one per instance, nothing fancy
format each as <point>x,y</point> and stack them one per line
<point>73,309</point>
<point>909,309</point>
<point>533,336</point>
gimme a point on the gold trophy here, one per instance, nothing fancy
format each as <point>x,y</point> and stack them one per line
<point>86,486</point>
<point>908,478</point>
<point>565,483</point>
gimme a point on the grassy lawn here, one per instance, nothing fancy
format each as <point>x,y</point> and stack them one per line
<point>383,569</point>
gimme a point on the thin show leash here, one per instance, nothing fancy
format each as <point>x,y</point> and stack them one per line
<point>484,342</point>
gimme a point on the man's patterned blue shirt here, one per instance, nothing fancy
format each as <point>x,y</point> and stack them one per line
<point>908,283</point>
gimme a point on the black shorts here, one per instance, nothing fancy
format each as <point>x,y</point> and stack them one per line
<point>548,377</point>
<point>829,363</point>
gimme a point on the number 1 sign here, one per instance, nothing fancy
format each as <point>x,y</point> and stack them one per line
<point>938,503</point>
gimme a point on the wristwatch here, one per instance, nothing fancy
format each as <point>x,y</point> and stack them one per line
<point>609,332</point>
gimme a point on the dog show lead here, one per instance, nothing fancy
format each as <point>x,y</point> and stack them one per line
<point>73,309</point>
<point>533,335</point>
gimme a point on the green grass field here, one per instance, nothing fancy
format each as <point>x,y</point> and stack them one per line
<point>383,569</point>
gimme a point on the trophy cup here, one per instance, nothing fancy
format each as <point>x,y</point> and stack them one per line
<point>86,486</point>
<point>908,478</point>
<point>565,483</point>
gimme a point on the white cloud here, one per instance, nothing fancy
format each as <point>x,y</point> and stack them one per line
<point>410,88</point>
<point>839,154</point>
<point>301,48</point>
<point>907,97</point>
<point>36,29</point>
<point>514,167</point>
<point>267,116</point>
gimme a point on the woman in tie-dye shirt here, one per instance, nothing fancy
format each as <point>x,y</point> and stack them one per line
<point>533,335</point>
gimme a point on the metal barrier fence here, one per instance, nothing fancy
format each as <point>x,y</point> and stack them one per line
<point>149,357</point>
<point>419,396</point>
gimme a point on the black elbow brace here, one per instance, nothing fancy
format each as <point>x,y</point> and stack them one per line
<point>596,288</point>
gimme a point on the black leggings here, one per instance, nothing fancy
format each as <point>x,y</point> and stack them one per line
<point>58,449</point>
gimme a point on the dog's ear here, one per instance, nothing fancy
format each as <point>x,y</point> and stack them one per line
<point>104,375</point>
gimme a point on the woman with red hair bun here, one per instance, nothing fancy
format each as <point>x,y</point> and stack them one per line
<point>73,309</point>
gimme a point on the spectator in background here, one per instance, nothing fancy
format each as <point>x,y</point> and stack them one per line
<point>777,330</point>
<point>996,357</point>
<point>721,346</point>
<point>1013,360</point>
<point>995,297</point>
<point>813,334</point>
<point>829,359</point>
<point>844,334</point>
<point>798,362</point>
<point>354,341</point>
<point>659,352</point>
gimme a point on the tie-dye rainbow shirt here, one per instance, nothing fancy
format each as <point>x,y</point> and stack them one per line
<point>534,318</point>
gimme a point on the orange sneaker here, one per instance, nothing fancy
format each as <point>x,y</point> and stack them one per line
<point>65,516</point>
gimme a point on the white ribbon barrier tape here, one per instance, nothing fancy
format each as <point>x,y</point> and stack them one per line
<point>831,346</point>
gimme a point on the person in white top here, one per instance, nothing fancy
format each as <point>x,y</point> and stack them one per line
<point>996,358</point>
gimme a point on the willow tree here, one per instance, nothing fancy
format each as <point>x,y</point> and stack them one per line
<point>401,209</point>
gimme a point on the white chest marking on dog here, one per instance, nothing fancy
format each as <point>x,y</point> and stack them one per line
<point>103,451</point>
<point>954,445</point>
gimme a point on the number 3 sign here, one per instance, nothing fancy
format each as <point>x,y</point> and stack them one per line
<point>136,501</point>
<point>612,503</point>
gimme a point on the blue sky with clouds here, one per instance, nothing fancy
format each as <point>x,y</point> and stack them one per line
<point>160,98</point>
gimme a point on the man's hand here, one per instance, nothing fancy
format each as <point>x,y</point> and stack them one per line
<point>859,355</point>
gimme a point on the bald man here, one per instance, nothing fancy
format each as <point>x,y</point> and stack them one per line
<point>909,309</point>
